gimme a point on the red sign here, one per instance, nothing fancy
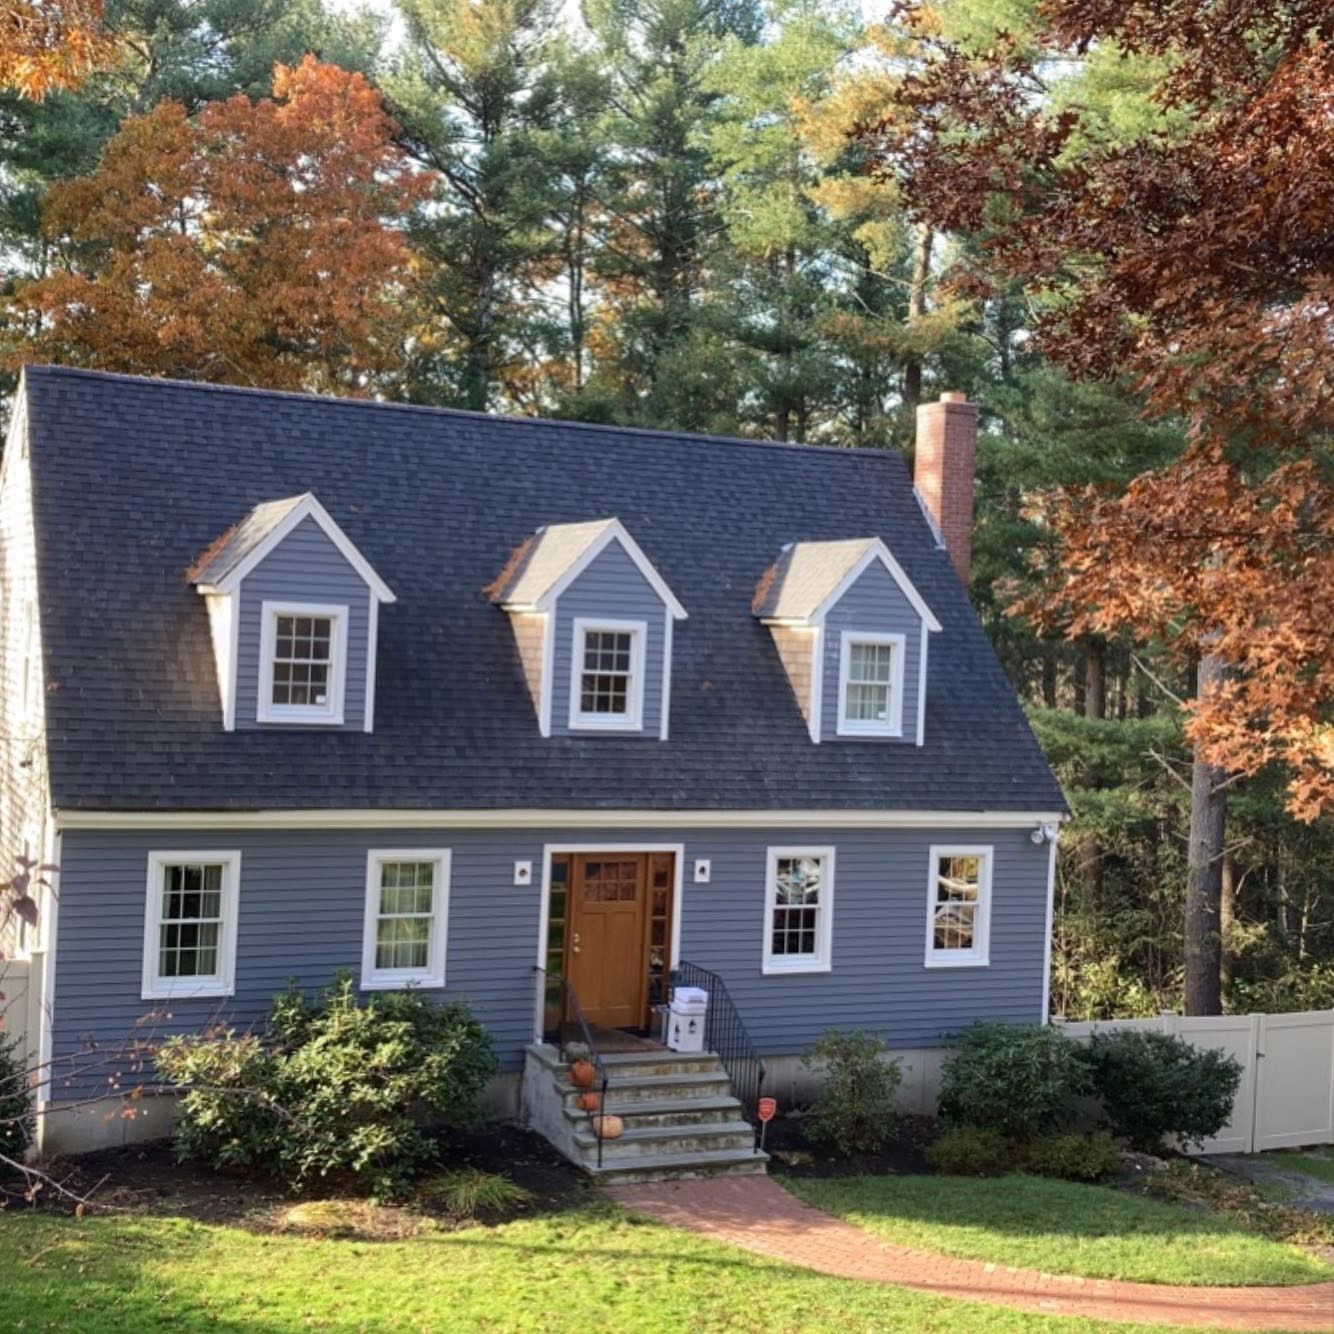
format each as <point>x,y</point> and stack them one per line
<point>767,1108</point>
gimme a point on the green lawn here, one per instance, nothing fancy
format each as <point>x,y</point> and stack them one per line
<point>585,1270</point>
<point>1318,1163</point>
<point>1062,1228</point>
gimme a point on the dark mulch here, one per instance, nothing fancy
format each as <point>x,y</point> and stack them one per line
<point>147,1178</point>
<point>792,1154</point>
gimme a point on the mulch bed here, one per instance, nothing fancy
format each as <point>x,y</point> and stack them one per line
<point>792,1154</point>
<point>147,1178</point>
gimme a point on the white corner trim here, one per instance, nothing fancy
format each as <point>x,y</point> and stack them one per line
<point>372,646</point>
<point>878,551</point>
<point>979,955</point>
<point>398,979</point>
<point>815,723</point>
<point>553,850</point>
<point>668,622</point>
<point>46,1019</point>
<point>923,641</point>
<point>307,508</point>
<point>428,817</point>
<point>614,532</point>
<point>821,961</point>
<point>893,725</point>
<point>329,714</point>
<point>631,721</point>
<point>221,983</point>
<point>1051,917</point>
<point>548,671</point>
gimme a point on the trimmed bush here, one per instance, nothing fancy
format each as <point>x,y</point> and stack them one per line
<point>15,1102</point>
<point>855,1108</point>
<point>336,1087</point>
<point>1021,1082</point>
<point>967,1151</point>
<point>1073,1157</point>
<point>1153,1085</point>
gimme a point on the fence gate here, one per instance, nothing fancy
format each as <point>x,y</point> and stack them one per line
<point>1286,1096</point>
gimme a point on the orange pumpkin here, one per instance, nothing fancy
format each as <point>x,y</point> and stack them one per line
<point>608,1127</point>
<point>582,1074</point>
<point>588,1102</point>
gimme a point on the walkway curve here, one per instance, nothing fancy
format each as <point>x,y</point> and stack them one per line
<point>757,1214</point>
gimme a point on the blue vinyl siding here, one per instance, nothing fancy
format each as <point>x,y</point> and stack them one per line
<point>874,605</point>
<point>304,567</point>
<point>611,587</point>
<point>302,896</point>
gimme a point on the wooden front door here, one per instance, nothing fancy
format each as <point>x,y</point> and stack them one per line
<point>607,951</point>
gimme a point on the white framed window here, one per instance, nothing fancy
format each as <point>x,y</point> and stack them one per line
<point>798,910</point>
<point>190,924</point>
<point>302,662</point>
<point>958,917</point>
<point>870,684</point>
<point>607,675</point>
<point>407,916</point>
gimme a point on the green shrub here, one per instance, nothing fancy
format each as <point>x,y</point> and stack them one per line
<point>1153,1085</point>
<point>855,1108</point>
<point>15,1102</point>
<point>1021,1082</point>
<point>335,1087</point>
<point>967,1151</point>
<point>469,1191</point>
<point>1073,1157</point>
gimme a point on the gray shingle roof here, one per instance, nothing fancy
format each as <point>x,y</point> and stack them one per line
<point>134,478</point>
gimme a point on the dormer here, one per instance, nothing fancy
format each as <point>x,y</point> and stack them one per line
<point>293,607</point>
<point>592,619</point>
<point>851,632</point>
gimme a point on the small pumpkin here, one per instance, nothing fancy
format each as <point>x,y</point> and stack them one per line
<point>582,1074</point>
<point>608,1127</point>
<point>588,1102</point>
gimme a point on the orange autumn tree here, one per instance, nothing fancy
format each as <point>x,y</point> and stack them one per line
<point>47,45</point>
<point>259,243</point>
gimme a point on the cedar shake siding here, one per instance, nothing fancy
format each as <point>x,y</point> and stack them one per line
<point>794,647</point>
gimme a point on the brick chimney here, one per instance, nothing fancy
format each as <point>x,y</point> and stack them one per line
<point>944,471</point>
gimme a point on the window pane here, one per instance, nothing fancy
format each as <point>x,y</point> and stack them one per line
<point>402,942</point>
<point>302,660</point>
<point>604,684</point>
<point>954,921</point>
<point>796,908</point>
<point>189,934</point>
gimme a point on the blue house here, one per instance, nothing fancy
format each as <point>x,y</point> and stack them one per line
<point>541,715</point>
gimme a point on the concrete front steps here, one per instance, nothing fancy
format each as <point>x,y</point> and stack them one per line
<point>680,1117</point>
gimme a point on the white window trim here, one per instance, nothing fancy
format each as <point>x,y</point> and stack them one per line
<point>633,721</point>
<point>397,979</point>
<point>223,982</point>
<point>821,960</point>
<point>979,956</point>
<point>329,714</point>
<point>893,725</point>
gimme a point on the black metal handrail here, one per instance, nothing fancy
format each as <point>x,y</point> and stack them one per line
<point>726,1036</point>
<point>572,1028</point>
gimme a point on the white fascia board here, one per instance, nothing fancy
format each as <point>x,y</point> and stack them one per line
<point>614,532</point>
<point>307,508</point>
<point>877,550</point>
<point>530,818</point>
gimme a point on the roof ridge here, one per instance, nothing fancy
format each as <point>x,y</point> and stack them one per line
<point>564,423</point>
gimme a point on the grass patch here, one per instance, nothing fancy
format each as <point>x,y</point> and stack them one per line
<point>587,1268</point>
<point>1061,1227</point>
<point>469,1192</point>
<point>1318,1163</point>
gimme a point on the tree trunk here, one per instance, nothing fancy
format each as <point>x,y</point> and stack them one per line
<point>921,275</point>
<point>1095,707</point>
<point>1204,870</point>
<point>1227,918</point>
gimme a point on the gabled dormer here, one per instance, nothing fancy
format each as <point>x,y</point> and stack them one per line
<point>592,620</point>
<point>294,608</point>
<point>851,631</point>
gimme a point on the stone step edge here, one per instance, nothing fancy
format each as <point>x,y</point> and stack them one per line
<point>668,1107</point>
<point>682,1162</point>
<point>646,1134</point>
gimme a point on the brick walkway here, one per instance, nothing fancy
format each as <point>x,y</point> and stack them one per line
<point>759,1215</point>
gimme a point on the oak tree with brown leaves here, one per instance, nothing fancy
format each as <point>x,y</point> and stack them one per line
<point>47,45</point>
<point>1197,258</point>
<point>258,243</point>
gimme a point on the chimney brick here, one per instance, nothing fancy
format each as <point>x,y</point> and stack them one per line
<point>944,471</point>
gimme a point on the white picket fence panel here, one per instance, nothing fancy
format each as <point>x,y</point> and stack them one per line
<point>19,987</point>
<point>1286,1096</point>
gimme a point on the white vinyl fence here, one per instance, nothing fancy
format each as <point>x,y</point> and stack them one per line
<point>20,989</point>
<point>1286,1096</point>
